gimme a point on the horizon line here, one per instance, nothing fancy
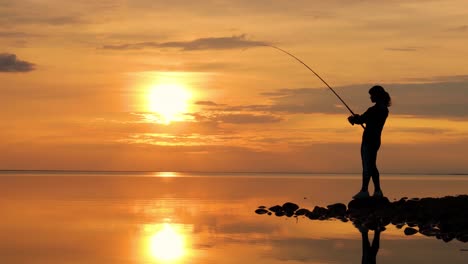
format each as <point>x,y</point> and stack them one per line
<point>213,172</point>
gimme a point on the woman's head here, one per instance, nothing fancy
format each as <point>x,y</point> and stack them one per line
<point>379,95</point>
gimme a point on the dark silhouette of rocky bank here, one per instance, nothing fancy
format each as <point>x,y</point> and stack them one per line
<point>444,218</point>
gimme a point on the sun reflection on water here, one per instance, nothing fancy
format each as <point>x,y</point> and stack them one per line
<point>166,243</point>
<point>166,174</point>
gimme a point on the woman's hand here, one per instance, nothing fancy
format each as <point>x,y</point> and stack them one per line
<point>352,119</point>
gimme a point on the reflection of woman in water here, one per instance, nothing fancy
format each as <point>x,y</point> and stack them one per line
<point>374,118</point>
<point>369,252</point>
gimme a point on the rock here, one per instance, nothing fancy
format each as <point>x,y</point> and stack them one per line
<point>463,237</point>
<point>398,219</point>
<point>302,211</point>
<point>447,239</point>
<point>409,231</point>
<point>337,209</point>
<point>444,218</point>
<point>411,207</point>
<point>290,207</point>
<point>367,205</point>
<point>289,213</point>
<point>313,216</point>
<point>385,221</point>
<point>279,213</point>
<point>261,211</point>
<point>343,219</point>
<point>320,211</point>
<point>276,208</point>
<point>317,213</point>
<point>429,231</point>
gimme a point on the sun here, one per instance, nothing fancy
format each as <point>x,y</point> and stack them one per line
<point>167,244</point>
<point>169,101</point>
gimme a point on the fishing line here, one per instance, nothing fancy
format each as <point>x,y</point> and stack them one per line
<point>310,69</point>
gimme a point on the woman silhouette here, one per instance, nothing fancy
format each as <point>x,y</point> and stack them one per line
<point>374,118</point>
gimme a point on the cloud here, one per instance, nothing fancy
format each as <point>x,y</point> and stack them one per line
<point>248,119</point>
<point>219,43</point>
<point>446,97</point>
<point>300,101</point>
<point>9,63</point>
<point>200,67</point>
<point>439,99</point>
<point>408,49</point>
<point>206,103</point>
<point>138,123</point>
<point>440,79</point>
<point>435,97</point>
<point>40,18</point>
<point>223,114</point>
<point>16,34</point>
<point>419,130</point>
<point>61,20</point>
<point>463,28</point>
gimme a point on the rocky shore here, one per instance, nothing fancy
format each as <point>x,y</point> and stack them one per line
<point>444,218</point>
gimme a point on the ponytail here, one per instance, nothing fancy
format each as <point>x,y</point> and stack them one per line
<point>381,95</point>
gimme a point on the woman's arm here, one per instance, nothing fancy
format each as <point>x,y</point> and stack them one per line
<point>359,119</point>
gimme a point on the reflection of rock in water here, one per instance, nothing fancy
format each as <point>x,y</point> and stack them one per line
<point>444,218</point>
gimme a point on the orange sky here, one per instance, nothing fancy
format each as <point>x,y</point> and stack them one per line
<point>91,86</point>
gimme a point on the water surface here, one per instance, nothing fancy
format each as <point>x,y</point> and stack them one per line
<point>64,217</point>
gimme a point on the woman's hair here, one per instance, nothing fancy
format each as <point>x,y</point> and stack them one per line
<point>381,95</point>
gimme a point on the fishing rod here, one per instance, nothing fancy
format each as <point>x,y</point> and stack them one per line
<point>310,69</point>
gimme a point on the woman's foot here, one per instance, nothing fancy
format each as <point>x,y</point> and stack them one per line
<point>361,195</point>
<point>378,193</point>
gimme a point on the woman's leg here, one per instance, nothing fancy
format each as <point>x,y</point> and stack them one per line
<point>366,167</point>
<point>376,180</point>
<point>374,172</point>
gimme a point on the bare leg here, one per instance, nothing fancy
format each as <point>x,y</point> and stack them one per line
<point>369,163</point>
<point>376,179</point>
<point>366,167</point>
<point>365,183</point>
<point>374,171</point>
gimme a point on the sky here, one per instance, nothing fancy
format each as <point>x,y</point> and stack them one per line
<point>191,85</point>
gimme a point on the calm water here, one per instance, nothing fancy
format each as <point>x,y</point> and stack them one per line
<point>188,218</point>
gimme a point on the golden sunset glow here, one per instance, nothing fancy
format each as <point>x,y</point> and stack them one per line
<point>155,132</point>
<point>166,174</point>
<point>129,86</point>
<point>167,244</point>
<point>169,101</point>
